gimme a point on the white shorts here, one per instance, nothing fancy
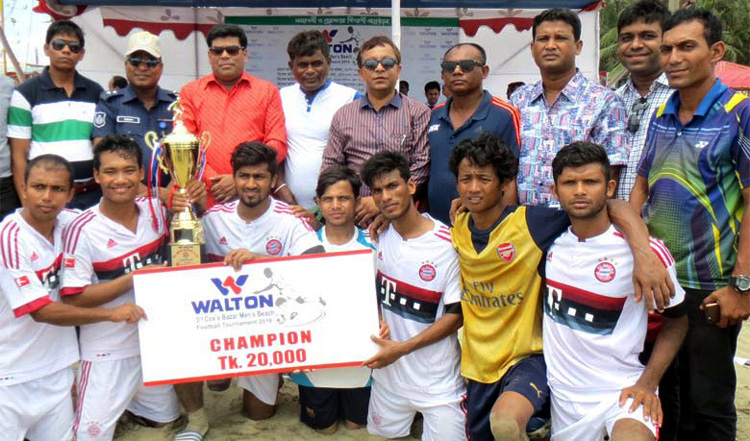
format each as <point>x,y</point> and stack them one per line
<point>107,388</point>
<point>592,421</point>
<point>390,414</point>
<point>40,409</point>
<point>264,387</point>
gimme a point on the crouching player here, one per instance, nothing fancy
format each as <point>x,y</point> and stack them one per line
<point>593,327</point>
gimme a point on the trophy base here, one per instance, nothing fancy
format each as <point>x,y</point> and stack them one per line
<point>184,255</point>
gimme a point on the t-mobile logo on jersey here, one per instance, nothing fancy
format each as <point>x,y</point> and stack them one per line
<point>387,290</point>
<point>135,261</point>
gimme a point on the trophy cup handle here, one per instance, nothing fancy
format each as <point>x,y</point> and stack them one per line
<point>151,139</point>
<point>205,140</point>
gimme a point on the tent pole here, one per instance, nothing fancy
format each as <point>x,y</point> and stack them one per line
<point>19,72</point>
<point>396,22</point>
<point>196,35</point>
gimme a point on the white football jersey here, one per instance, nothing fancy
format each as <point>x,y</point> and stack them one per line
<point>29,280</point>
<point>98,249</point>
<point>593,328</point>
<point>416,278</point>
<point>360,241</point>
<point>276,233</point>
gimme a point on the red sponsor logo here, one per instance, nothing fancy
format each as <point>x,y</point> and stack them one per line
<point>34,256</point>
<point>273,247</point>
<point>22,281</point>
<point>111,243</point>
<point>427,272</point>
<point>70,263</point>
<point>604,272</point>
<point>506,251</point>
<point>223,240</point>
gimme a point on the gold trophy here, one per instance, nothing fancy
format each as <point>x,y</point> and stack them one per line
<point>181,158</point>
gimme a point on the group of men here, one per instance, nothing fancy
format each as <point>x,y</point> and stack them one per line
<point>554,280</point>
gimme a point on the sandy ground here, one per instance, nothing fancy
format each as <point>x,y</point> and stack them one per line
<point>228,425</point>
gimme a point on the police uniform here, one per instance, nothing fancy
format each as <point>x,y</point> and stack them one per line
<point>122,112</point>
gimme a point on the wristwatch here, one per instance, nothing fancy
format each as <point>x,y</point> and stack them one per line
<point>740,283</point>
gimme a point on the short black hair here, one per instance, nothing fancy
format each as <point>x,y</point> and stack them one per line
<point>486,149</point>
<point>226,30</point>
<point>119,81</point>
<point>648,11</point>
<point>49,161</point>
<point>712,27</point>
<point>482,52</point>
<point>123,145</point>
<point>254,153</point>
<point>404,83</point>
<point>432,85</point>
<point>64,27</point>
<point>382,162</point>
<point>378,40</point>
<point>335,174</point>
<point>558,14</point>
<point>578,154</point>
<point>306,44</point>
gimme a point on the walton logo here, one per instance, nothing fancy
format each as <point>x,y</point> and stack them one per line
<point>330,34</point>
<point>230,283</point>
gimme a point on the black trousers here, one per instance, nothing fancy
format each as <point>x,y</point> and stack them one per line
<point>8,197</point>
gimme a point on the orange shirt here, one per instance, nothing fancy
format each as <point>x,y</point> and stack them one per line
<point>250,111</point>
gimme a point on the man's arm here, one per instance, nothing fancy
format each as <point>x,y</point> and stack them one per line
<point>390,350</point>
<point>19,154</point>
<point>61,314</point>
<point>650,278</point>
<point>275,128</point>
<point>97,294</point>
<point>419,155</point>
<point>639,193</point>
<point>334,152</point>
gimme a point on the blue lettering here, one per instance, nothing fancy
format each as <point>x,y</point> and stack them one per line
<point>201,306</point>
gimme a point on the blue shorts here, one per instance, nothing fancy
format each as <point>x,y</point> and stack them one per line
<point>528,377</point>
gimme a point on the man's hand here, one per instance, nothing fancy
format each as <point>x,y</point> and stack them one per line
<point>128,313</point>
<point>222,187</point>
<point>733,306</point>
<point>308,215</point>
<point>283,193</point>
<point>195,194</point>
<point>456,208</point>
<point>385,331</point>
<point>646,396</point>
<point>376,228</point>
<point>366,211</point>
<point>389,352</point>
<point>651,279</point>
<point>236,258</point>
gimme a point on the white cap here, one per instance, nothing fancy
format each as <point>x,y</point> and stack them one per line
<point>144,41</point>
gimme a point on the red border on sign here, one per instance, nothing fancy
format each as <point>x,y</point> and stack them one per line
<point>249,373</point>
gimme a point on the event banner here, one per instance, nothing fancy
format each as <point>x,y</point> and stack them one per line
<point>274,315</point>
<point>423,42</point>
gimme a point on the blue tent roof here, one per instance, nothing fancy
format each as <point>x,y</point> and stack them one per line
<point>480,4</point>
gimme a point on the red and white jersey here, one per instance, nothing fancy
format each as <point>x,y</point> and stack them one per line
<point>593,328</point>
<point>98,249</point>
<point>276,233</point>
<point>29,280</point>
<point>416,278</point>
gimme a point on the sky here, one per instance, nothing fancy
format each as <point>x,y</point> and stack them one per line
<point>25,31</point>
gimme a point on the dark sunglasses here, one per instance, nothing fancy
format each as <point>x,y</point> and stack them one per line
<point>149,62</point>
<point>231,50</point>
<point>388,63</point>
<point>74,46</point>
<point>636,114</point>
<point>466,65</point>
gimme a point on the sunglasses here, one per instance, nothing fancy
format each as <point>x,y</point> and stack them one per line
<point>231,50</point>
<point>149,62</point>
<point>388,63</point>
<point>636,114</point>
<point>74,46</point>
<point>466,65</point>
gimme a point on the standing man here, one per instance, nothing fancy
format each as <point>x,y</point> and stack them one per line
<point>470,112</point>
<point>54,113</point>
<point>417,369</point>
<point>694,177</point>
<point>381,120</point>
<point>255,225</point>
<point>639,32</point>
<point>103,246</point>
<point>309,107</point>
<point>562,107</point>
<point>140,107</point>
<point>39,343</point>
<point>233,106</point>
<point>403,87</point>
<point>8,196</point>
<point>432,93</point>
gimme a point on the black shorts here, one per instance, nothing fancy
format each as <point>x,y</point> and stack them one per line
<point>528,377</point>
<point>321,407</point>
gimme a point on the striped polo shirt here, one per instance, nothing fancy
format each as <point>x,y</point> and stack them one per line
<point>55,123</point>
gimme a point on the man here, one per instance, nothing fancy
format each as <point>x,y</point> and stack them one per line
<point>512,87</point>
<point>562,107</point>
<point>117,83</point>
<point>694,176</point>
<point>432,93</point>
<point>309,107</point>
<point>417,370</point>
<point>103,246</point>
<point>322,407</point>
<point>639,31</point>
<point>140,107</point>
<point>255,225</point>
<point>8,195</point>
<point>54,113</point>
<point>39,342</point>
<point>593,327</point>
<point>470,112</point>
<point>500,249</point>
<point>403,87</point>
<point>233,106</point>
<point>381,120</point>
